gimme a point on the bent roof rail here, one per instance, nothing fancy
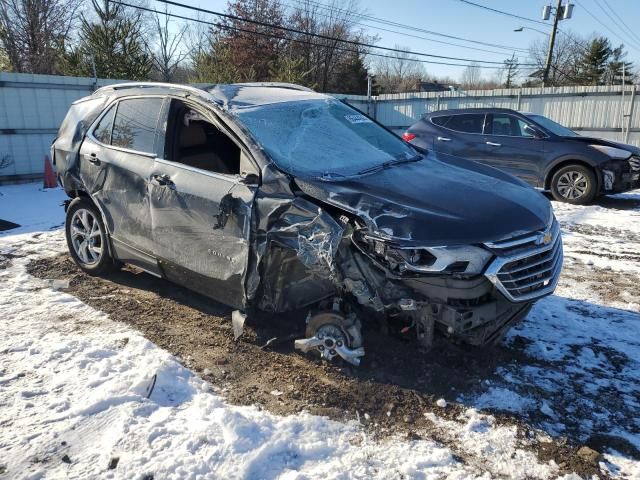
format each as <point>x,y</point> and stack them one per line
<point>291,86</point>
<point>122,86</point>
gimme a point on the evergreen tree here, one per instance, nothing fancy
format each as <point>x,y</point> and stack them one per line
<point>618,67</point>
<point>215,65</point>
<point>594,61</point>
<point>114,44</point>
<point>350,76</point>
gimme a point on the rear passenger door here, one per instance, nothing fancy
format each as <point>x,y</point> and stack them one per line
<point>460,135</point>
<point>511,148</point>
<point>201,205</point>
<point>117,158</point>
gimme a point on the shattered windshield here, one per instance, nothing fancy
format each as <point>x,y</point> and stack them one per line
<point>323,138</point>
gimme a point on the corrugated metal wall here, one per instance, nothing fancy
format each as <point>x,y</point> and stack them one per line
<point>32,107</point>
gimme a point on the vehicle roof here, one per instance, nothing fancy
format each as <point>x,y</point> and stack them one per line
<point>454,111</point>
<point>230,96</point>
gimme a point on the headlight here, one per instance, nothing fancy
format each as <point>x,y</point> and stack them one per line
<point>465,259</point>
<point>617,153</point>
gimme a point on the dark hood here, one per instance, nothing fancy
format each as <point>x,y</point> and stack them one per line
<point>607,143</point>
<point>437,202</point>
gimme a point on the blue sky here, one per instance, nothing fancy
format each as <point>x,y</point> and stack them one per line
<point>453,17</point>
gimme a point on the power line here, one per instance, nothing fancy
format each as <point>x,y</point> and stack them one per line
<point>296,40</point>
<point>604,25</point>
<point>325,37</point>
<point>631,32</point>
<point>412,28</point>
<point>501,12</point>
<point>300,2</point>
<point>630,39</point>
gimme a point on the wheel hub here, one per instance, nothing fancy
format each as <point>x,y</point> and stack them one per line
<point>330,334</point>
<point>86,237</point>
<point>572,185</point>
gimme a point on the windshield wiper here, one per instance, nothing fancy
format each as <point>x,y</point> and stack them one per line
<point>390,163</point>
<point>332,175</point>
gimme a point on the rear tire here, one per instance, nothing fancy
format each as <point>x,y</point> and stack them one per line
<point>575,184</point>
<point>87,238</point>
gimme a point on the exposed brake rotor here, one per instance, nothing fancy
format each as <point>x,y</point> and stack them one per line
<point>333,335</point>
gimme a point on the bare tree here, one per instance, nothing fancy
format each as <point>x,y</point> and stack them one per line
<point>330,63</point>
<point>399,74</point>
<point>471,77</point>
<point>511,71</point>
<point>568,51</point>
<point>32,33</point>
<point>169,52</point>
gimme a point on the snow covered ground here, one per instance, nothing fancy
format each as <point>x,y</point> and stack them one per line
<point>82,396</point>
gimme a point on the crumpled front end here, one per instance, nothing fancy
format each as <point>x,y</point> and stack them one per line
<point>621,175</point>
<point>476,307</point>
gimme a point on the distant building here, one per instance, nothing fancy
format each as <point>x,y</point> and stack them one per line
<point>435,86</point>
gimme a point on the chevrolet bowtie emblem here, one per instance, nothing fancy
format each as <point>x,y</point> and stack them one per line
<point>544,239</point>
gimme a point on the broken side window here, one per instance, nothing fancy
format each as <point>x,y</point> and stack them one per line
<point>194,141</point>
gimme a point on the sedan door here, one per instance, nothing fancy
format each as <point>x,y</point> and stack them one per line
<point>201,207</point>
<point>459,135</point>
<point>512,148</point>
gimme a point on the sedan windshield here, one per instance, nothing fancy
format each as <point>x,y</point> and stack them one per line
<point>552,126</point>
<point>323,138</point>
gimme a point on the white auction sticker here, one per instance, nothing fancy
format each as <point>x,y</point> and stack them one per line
<point>357,118</point>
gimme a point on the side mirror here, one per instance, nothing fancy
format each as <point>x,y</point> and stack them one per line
<point>249,178</point>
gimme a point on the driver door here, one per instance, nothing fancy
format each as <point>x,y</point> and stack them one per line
<point>201,206</point>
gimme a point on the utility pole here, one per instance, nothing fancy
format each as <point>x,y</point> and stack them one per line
<point>561,13</point>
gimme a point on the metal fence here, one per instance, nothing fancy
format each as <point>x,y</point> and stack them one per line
<point>32,107</point>
<point>31,110</point>
<point>602,111</point>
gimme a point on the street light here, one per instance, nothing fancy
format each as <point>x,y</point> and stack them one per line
<point>522,29</point>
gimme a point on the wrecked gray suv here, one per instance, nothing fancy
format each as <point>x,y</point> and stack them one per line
<point>273,197</point>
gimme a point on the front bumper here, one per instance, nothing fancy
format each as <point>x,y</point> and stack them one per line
<point>621,175</point>
<point>528,267</point>
<point>474,309</point>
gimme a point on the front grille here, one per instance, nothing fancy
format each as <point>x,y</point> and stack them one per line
<point>529,270</point>
<point>634,163</point>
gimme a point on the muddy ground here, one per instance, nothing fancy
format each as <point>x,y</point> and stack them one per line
<point>395,385</point>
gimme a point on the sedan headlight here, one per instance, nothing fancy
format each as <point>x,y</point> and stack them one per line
<point>616,153</point>
<point>463,259</point>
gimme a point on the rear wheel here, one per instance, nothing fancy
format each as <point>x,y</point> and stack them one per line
<point>87,238</point>
<point>574,184</point>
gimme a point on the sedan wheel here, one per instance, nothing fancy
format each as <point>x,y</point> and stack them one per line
<point>574,184</point>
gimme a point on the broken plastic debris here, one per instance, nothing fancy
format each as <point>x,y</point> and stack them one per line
<point>58,284</point>
<point>276,393</point>
<point>442,403</point>
<point>237,320</point>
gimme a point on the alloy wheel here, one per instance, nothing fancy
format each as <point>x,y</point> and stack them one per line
<point>572,185</point>
<point>86,237</point>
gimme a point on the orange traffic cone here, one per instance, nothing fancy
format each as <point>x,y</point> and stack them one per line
<point>50,180</point>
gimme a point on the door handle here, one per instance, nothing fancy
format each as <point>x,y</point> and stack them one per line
<point>92,157</point>
<point>444,139</point>
<point>162,180</point>
<point>493,144</point>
